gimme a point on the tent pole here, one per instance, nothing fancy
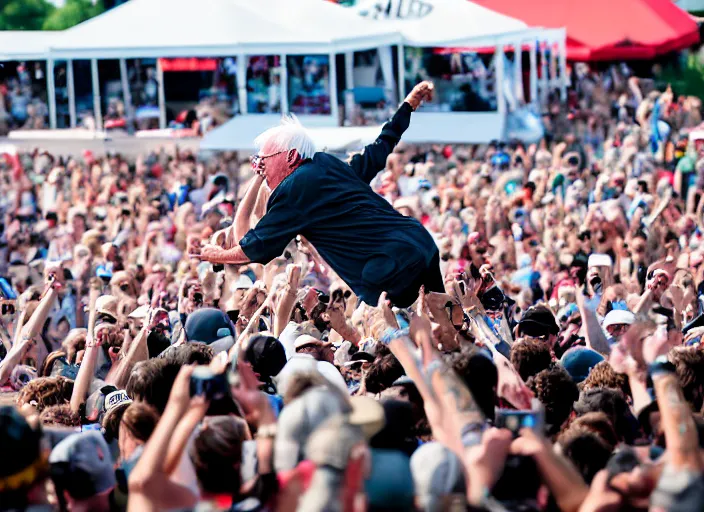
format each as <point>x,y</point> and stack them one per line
<point>284,84</point>
<point>518,70</point>
<point>499,66</point>
<point>349,70</point>
<point>51,92</point>
<point>97,109</point>
<point>348,94</point>
<point>334,107</point>
<point>534,74</point>
<point>162,96</point>
<point>70,85</point>
<point>401,72</point>
<point>562,54</point>
<point>242,82</point>
<point>544,87</point>
<point>126,94</point>
<point>554,80</point>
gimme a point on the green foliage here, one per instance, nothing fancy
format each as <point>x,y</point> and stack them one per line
<point>24,14</point>
<point>687,78</point>
<point>42,15</point>
<point>72,13</point>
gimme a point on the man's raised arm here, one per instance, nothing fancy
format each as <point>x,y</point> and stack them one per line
<point>373,158</point>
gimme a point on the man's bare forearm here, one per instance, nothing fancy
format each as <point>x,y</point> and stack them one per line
<point>244,211</point>
<point>234,256</point>
<point>677,423</point>
<point>37,320</point>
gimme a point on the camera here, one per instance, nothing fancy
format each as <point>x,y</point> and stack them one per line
<point>517,420</point>
<point>204,382</point>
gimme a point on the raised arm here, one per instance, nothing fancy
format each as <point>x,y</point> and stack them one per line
<point>87,370</point>
<point>244,212</point>
<point>373,159</point>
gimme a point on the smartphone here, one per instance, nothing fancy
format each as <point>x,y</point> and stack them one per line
<point>218,267</point>
<point>206,383</point>
<point>517,420</point>
<point>68,276</point>
<point>198,298</point>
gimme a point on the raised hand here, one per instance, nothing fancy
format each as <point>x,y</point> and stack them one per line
<point>293,275</point>
<point>420,93</point>
<point>511,387</point>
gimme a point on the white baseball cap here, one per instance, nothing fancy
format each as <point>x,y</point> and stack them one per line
<point>618,316</point>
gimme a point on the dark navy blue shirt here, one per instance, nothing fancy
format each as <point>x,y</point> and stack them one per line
<point>371,246</point>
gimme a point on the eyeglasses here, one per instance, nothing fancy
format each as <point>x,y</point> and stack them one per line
<point>258,160</point>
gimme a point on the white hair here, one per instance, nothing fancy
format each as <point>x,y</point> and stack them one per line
<point>290,134</point>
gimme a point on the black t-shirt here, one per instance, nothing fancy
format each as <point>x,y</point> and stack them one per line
<point>371,246</point>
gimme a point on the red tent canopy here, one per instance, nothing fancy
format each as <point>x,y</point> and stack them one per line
<point>608,29</point>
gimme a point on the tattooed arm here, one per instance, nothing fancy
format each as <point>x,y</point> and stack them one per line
<point>680,430</point>
<point>449,405</point>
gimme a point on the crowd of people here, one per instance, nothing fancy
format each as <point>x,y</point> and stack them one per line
<point>21,102</point>
<point>149,362</point>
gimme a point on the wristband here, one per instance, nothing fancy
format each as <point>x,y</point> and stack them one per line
<point>393,334</point>
<point>661,367</point>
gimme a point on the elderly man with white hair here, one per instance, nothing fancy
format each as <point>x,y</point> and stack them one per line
<point>371,246</point>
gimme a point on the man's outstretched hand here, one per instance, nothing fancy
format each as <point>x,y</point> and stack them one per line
<point>420,93</point>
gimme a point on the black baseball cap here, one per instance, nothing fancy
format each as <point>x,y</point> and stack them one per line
<point>266,354</point>
<point>538,321</point>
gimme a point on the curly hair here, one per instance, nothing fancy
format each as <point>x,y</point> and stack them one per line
<point>46,391</point>
<point>557,392</point>
<point>689,364</point>
<point>530,357</point>
<point>60,415</point>
<point>604,376</point>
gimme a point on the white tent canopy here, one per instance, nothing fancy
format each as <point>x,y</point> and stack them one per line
<point>177,28</point>
<point>239,134</point>
<point>25,44</point>
<point>443,23</point>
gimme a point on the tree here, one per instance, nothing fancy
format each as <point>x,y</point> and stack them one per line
<point>24,14</point>
<point>72,13</point>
